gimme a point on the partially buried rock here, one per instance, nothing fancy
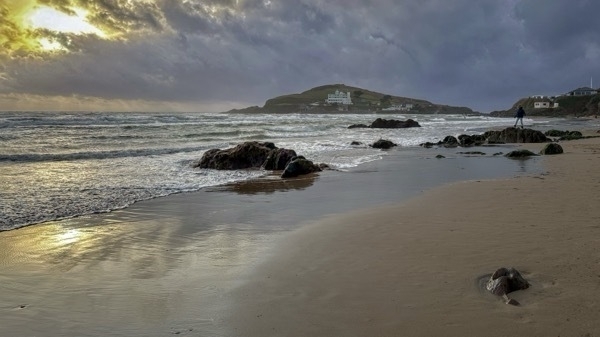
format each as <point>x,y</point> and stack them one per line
<point>520,154</point>
<point>551,148</point>
<point>504,281</point>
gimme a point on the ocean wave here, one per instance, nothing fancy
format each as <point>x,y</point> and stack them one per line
<point>58,204</point>
<point>41,157</point>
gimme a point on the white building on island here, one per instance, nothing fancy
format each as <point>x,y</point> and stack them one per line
<point>339,98</point>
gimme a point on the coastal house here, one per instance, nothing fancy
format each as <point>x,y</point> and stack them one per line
<point>339,97</point>
<point>583,91</point>
<point>541,105</point>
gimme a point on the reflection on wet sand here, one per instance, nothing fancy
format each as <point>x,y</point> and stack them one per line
<point>268,185</point>
<point>92,275</point>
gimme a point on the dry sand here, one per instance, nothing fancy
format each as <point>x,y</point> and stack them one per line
<point>412,269</point>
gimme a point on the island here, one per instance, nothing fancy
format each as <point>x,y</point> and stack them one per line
<point>340,98</point>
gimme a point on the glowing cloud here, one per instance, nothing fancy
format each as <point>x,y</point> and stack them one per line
<point>53,20</point>
<point>36,26</point>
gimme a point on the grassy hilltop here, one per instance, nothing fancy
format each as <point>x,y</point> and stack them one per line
<point>313,101</point>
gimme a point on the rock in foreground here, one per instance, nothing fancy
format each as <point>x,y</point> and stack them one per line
<point>504,281</point>
<point>258,155</point>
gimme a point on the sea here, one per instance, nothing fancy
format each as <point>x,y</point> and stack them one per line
<point>58,165</point>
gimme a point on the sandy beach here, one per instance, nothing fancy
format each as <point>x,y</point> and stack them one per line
<point>412,269</point>
<point>353,254</point>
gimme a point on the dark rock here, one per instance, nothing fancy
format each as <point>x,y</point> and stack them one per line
<point>515,135</point>
<point>259,155</point>
<point>520,154</point>
<point>450,141</point>
<point>381,123</point>
<point>358,126</point>
<point>299,166</point>
<point>356,143</point>
<point>462,140</point>
<point>278,159</point>
<point>383,144</point>
<point>472,153</point>
<point>555,133</point>
<point>564,135</point>
<point>243,156</point>
<point>504,281</point>
<point>471,140</point>
<point>551,148</point>
<point>572,135</point>
<point>439,156</point>
<point>498,153</point>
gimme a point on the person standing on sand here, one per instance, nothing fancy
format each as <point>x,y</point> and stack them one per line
<point>519,116</point>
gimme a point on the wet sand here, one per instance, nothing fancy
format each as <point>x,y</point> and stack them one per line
<point>412,269</point>
<point>321,256</point>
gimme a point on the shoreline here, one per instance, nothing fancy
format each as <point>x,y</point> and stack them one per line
<point>413,268</point>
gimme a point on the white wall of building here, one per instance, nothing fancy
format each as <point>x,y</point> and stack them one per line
<point>339,98</point>
<point>541,105</point>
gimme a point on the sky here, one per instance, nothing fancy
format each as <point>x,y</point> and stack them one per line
<point>215,55</point>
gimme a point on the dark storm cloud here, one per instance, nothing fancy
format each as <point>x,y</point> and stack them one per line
<point>548,24</point>
<point>483,54</point>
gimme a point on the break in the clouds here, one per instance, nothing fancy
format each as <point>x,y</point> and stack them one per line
<point>215,55</point>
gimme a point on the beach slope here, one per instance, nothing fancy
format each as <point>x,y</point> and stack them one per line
<point>416,269</point>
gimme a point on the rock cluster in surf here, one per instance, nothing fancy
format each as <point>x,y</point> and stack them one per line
<point>258,155</point>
